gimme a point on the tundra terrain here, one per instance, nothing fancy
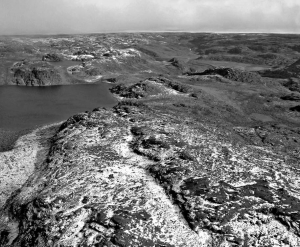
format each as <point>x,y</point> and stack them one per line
<point>202,148</point>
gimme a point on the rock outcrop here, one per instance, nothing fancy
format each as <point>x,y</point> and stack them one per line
<point>291,97</point>
<point>295,108</point>
<point>176,63</point>
<point>232,74</point>
<point>142,176</point>
<point>151,87</point>
<point>35,74</point>
<point>292,84</point>
<point>51,57</point>
<point>290,71</point>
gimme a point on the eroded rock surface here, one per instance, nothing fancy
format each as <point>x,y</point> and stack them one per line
<point>95,190</point>
<point>35,74</point>
<point>18,164</point>
<point>141,176</point>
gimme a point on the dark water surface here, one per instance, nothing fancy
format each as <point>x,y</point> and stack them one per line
<point>29,107</point>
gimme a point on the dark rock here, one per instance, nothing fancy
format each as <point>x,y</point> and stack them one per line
<point>111,80</point>
<point>194,95</point>
<point>295,108</point>
<point>236,50</point>
<point>4,237</point>
<point>291,97</point>
<point>175,62</point>
<point>139,130</point>
<point>172,84</point>
<point>290,71</point>
<point>292,84</point>
<point>93,71</point>
<point>85,200</point>
<point>106,54</point>
<point>36,74</point>
<point>83,52</point>
<point>135,91</point>
<point>72,120</point>
<point>232,74</point>
<point>51,58</point>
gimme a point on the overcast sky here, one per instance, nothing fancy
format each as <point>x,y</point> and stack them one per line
<point>84,16</point>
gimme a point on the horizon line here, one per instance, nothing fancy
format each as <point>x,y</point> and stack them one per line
<point>143,31</point>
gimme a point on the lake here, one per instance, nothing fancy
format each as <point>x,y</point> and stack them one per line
<point>30,107</point>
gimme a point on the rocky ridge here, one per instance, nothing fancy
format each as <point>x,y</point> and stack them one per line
<point>231,74</point>
<point>290,71</point>
<point>146,174</point>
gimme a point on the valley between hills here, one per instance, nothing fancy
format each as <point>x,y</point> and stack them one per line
<point>202,147</point>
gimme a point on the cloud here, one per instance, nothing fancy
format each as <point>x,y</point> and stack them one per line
<point>83,16</point>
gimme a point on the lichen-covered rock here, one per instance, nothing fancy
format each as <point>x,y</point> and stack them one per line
<point>95,190</point>
<point>137,176</point>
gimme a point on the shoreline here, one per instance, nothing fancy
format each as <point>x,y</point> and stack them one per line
<point>8,138</point>
<point>28,152</point>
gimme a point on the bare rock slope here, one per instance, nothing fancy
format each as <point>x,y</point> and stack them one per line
<point>145,176</point>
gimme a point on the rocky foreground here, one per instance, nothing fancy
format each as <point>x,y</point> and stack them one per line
<point>160,169</point>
